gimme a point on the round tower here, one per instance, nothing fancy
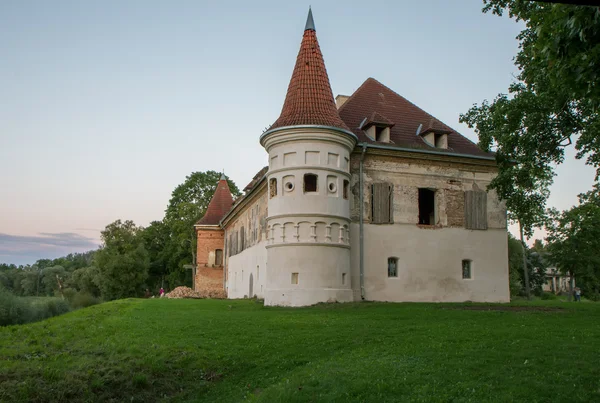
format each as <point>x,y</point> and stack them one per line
<point>309,146</point>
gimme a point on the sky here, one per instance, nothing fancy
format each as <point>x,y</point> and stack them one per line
<point>105,107</point>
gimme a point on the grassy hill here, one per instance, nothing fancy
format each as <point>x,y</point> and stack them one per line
<point>230,351</point>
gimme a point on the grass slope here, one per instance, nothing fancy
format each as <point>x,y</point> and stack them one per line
<point>211,350</point>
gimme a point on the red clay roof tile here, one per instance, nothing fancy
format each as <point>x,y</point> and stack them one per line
<point>309,100</point>
<point>373,98</point>
<point>219,205</point>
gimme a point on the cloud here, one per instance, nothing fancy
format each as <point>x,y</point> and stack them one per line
<point>23,249</point>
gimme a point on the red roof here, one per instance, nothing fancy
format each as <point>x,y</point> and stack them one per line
<point>309,100</point>
<point>373,99</point>
<point>219,205</point>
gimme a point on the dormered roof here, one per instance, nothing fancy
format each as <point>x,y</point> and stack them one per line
<point>219,205</point>
<point>373,98</point>
<point>309,99</point>
<point>377,119</point>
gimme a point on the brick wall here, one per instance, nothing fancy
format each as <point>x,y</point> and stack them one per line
<point>209,275</point>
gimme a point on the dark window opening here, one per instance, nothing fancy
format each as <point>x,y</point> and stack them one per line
<point>242,239</point>
<point>392,267</point>
<point>379,133</point>
<point>466,269</point>
<point>310,183</point>
<point>426,207</point>
<point>273,187</point>
<point>219,257</point>
<point>346,184</point>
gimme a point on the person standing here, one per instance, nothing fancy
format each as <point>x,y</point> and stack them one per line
<point>162,292</point>
<point>577,294</point>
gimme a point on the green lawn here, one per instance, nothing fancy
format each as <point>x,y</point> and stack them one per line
<point>230,351</point>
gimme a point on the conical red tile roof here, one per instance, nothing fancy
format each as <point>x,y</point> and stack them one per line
<point>219,205</point>
<point>309,100</point>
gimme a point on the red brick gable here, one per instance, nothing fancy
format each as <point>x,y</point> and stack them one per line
<point>219,205</point>
<point>309,99</point>
<point>373,99</point>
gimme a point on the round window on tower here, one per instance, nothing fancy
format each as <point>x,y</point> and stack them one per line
<point>332,187</point>
<point>289,186</point>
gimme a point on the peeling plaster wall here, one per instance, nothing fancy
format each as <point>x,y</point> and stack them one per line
<point>449,179</point>
<point>429,257</point>
<point>240,265</point>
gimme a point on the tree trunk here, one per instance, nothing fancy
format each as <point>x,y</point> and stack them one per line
<point>570,285</point>
<point>525,268</point>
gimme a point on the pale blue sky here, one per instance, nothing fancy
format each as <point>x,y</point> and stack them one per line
<point>106,106</point>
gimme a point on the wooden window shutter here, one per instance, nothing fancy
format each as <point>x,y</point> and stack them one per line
<point>381,203</point>
<point>476,210</point>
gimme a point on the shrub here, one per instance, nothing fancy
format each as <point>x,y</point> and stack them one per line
<point>16,310</point>
<point>48,307</point>
<point>548,296</point>
<point>13,310</point>
<point>83,299</point>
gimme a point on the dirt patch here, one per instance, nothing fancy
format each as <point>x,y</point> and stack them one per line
<point>506,308</point>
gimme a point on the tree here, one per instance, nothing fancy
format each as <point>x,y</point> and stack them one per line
<point>86,279</point>
<point>555,98</point>
<point>52,279</point>
<point>122,261</point>
<point>187,205</point>
<point>574,242</point>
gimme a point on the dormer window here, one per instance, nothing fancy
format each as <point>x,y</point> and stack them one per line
<point>441,141</point>
<point>377,127</point>
<point>435,134</point>
<point>382,134</point>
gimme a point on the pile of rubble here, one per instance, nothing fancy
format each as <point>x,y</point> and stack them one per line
<point>186,292</point>
<point>183,292</point>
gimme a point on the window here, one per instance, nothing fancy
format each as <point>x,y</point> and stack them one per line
<point>392,267</point>
<point>242,239</point>
<point>476,210</point>
<point>381,203</point>
<point>343,278</point>
<point>426,206</point>
<point>441,141</point>
<point>219,257</point>
<point>466,269</point>
<point>346,184</point>
<point>310,183</point>
<point>272,187</point>
<point>294,278</point>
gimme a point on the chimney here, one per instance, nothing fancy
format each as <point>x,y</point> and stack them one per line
<point>341,100</point>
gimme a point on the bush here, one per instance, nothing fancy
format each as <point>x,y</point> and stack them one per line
<point>548,296</point>
<point>18,310</point>
<point>44,308</point>
<point>13,310</point>
<point>83,299</point>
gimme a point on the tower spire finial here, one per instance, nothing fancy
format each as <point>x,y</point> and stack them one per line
<point>310,23</point>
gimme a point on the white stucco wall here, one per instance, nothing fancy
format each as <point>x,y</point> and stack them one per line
<point>308,230</point>
<point>320,270</point>
<point>430,263</point>
<point>250,262</point>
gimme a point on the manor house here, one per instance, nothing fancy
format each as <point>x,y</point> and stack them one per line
<point>366,197</point>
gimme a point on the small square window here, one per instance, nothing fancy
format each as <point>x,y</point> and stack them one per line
<point>294,278</point>
<point>392,267</point>
<point>310,183</point>
<point>466,269</point>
